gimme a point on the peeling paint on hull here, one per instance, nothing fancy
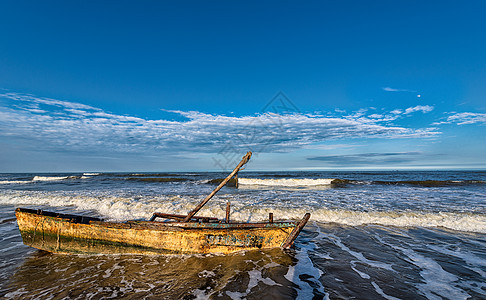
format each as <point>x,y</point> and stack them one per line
<point>73,234</point>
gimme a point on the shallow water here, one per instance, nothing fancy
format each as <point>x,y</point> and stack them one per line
<point>381,235</point>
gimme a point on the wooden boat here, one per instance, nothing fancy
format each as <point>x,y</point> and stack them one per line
<point>66,233</point>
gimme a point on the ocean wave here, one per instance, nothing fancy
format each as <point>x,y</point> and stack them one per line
<point>122,209</point>
<point>451,220</point>
<point>157,179</point>
<point>91,174</point>
<point>15,181</point>
<point>114,208</point>
<point>286,182</point>
<point>469,222</point>
<point>309,182</point>
<point>52,178</point>
<point>149,175</point>
<point>431,183</point>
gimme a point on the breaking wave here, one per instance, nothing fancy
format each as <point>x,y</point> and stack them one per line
<point>46,179</point>
<point>309,182</point>
<point>287,182</point>
<point>38,179</point>
<point>52,178</point>
<point>456,221</point>
<point>122,209</point>
<point>431,183</point>
<point>15,181</point>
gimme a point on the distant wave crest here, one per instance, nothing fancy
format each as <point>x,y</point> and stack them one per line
<point>51,178</point>
<point>15,181</point>
<point>287,182</point>
<point>309,182</point>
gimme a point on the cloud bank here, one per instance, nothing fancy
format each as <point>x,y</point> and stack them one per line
<point>55,125</point>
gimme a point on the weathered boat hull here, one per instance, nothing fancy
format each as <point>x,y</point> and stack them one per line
<point>61,233</point>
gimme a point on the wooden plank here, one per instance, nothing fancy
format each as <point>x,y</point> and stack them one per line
<point>228,207</point>
<point>293,235</point>
<point>179,217</point>
<point>243,161</point>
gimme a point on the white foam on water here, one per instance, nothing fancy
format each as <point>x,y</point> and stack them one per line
<point>438,283</point>
<point>474,262</point>
<point>468,257</point>
<point>50,178</point>
<point>8,237</point>
<point>91,174</point>
<point>380,291</point>
<point>38,179</point>
<point>200,294</point>
<point>235,295</point>
<point>478,287</point>
<point>285,182</point>
<point>256,277</point>
<point>305,266</point>
<point>271,265</point>
<point>109,272</point>
<point>362,274</point>
<point>14,246</point>
<point>372,263</point>
<point>456,221</point>
<point>320,236</point>
<point>125,208</point>
<point>115,208</point>
<point>16,294</point>
<point>149,288</point>
<point>15,181</point>
<point>206,273</point>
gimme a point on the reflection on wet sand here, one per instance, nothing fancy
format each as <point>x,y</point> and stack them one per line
<point>47,275</point>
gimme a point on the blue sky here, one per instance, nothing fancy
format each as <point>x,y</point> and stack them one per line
<point>158,86</point>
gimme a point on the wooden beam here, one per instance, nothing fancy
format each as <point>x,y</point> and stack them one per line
<point>293,235</point>
<point>243,161</point>
<point>228,207</point>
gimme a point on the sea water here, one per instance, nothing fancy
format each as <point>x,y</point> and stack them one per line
<point>372,235</point>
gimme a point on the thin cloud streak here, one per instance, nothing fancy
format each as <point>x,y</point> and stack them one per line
<point>422,108</point>
<point>389,89</point>
<point>368,158</point>
<point>464,118</point>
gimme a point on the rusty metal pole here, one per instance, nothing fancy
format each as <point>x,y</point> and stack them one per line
<point>243,161</point>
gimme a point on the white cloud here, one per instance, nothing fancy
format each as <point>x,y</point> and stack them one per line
<point>376,116</point>
<point>68,126</point>
<point>389,89</point>
<point>464,118</point>
<point>422,108</point>
<point>46,101</point>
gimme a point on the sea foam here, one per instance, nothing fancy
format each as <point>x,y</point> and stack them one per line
<point>50,178</point>
<point>121,208</point>
<point>15,181</point>
<point>286,182</point>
